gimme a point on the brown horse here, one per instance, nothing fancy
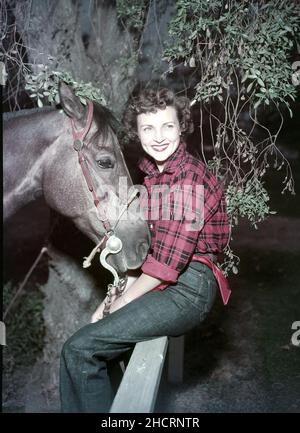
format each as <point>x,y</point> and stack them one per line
<point>42,148</point>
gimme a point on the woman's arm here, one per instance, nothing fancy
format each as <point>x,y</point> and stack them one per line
<point>137,285</point>
<point>143,284</point>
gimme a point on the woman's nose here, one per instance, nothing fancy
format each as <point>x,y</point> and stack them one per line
<point>158,136</point>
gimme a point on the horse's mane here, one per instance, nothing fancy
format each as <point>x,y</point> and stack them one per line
<point>14,114</point>
<point>105,119</point>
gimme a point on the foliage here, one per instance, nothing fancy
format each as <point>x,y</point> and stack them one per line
<point>44,87</point>
<point>239,54</point>
<point>251,201</point>
<point>24,343</point>
<point>13,61</point>
<point>132,13</point>
<point>251,38</point>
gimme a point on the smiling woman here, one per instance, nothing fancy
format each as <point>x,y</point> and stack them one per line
<point>179,279</point>
<point>159,134</point>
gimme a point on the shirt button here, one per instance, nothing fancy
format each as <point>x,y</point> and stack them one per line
<point>150,226</point>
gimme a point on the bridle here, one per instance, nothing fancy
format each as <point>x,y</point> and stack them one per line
<point>113,243</point>
<point>78,144</point>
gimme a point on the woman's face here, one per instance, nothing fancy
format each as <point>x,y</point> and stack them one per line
<point>159,134</point>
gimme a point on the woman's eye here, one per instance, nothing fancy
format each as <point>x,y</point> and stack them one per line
<point>147,129</point>
<point>105,163</point>
<point>170,126</point>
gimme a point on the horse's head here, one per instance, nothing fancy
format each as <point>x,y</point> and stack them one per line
<point>85,174</point>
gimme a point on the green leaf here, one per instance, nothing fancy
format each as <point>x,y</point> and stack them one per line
<point>250,87</point>
<point>235,270</point>
<point>257,104</point>
<point>260,82</point>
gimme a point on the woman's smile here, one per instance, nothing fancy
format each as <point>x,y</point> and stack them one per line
<point>160,147</point>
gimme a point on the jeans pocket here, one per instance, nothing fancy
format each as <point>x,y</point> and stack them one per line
<point>199,288</point>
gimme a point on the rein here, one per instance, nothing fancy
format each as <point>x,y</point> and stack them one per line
<point>113,243</point>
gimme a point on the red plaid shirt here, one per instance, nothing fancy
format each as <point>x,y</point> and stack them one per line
<point>173,244</point>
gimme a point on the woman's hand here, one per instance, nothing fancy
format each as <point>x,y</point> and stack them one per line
<point>98,315</point>
<point>119,303</point>
<point>115,305</point>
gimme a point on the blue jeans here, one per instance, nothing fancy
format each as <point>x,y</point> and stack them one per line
<point>85,385</point>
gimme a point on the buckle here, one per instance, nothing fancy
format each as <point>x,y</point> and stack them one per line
<point>78,145</point>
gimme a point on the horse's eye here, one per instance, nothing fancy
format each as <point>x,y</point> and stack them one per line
<point>105,163</point>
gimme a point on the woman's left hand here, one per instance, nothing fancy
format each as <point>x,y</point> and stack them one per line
<point>119,303</point>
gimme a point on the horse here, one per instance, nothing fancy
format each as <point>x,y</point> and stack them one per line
<point>73,159</point>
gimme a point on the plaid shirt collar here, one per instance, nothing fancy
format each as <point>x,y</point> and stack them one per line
<point>173,164</point>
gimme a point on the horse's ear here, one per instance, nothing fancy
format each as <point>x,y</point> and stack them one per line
<point>70,102</point>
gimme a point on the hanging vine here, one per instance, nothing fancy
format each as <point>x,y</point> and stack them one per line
<point>239,52</point>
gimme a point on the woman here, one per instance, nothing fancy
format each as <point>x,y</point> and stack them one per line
<point>179,279</point>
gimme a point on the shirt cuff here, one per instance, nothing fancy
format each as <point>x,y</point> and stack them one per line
<point>159,270</point>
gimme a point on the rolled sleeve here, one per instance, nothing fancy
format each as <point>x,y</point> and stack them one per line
<point>159,270</point>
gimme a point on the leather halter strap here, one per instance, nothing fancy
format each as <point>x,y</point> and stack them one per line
<point>78,144</point>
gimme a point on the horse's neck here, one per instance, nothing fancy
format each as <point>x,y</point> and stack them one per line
<point>27,140</point>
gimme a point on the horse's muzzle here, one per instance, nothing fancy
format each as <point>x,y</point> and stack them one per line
<point>142,250</point>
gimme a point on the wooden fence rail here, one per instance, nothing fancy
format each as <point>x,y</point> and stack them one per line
<point>140,383</point>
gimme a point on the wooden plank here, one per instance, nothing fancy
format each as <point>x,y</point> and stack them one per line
<point>176,359</point>
<point>138,389</point>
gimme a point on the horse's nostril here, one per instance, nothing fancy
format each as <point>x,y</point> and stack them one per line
<point>142,249</point>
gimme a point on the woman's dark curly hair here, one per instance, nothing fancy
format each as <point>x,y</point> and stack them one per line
<point>150,100</point>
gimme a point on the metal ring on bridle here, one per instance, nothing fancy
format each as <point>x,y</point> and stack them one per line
<point>78,145</point>
<point>114,244</point>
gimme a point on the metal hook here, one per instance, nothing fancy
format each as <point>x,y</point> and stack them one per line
<point>113,246</point>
